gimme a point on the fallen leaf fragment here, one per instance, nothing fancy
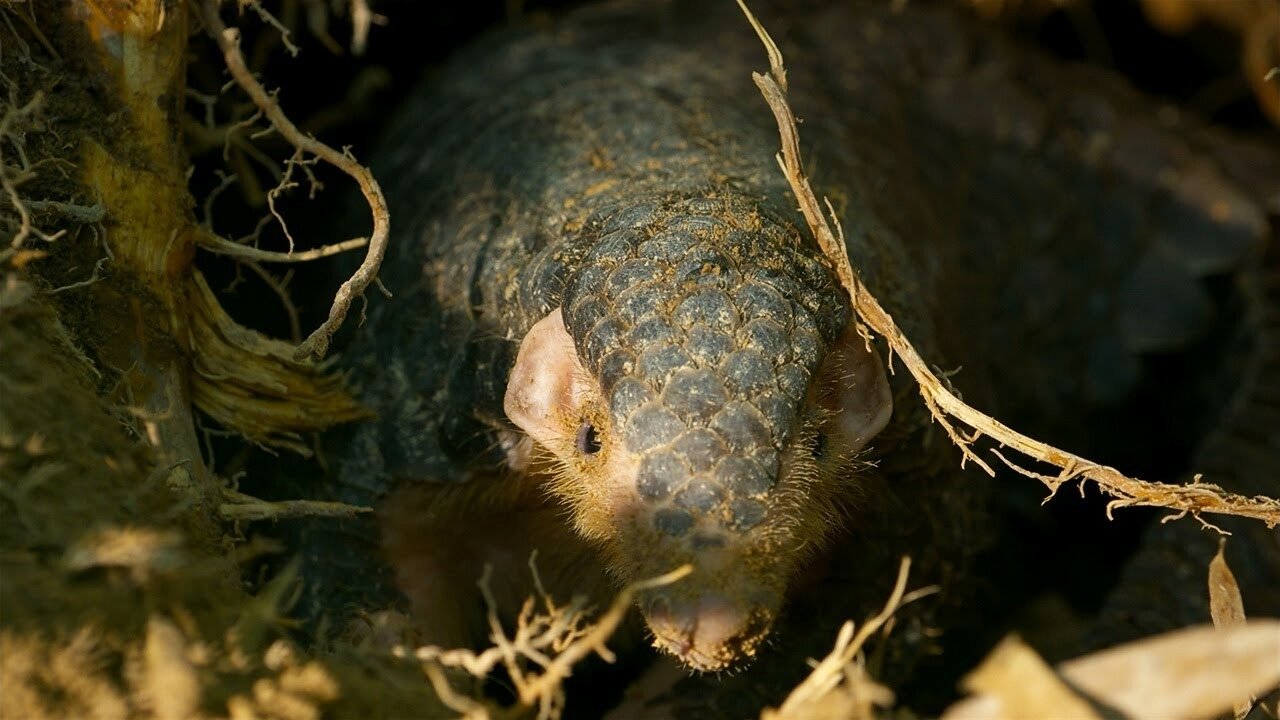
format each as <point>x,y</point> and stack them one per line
<point>1226,607</point>
<point>1196,672</point>
<point>1015,682</point>
<point>1225,603</point>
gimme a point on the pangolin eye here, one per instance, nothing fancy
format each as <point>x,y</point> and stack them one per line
<point>588,439</point>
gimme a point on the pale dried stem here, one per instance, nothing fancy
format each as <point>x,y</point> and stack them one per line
<point>14,114</point>
<point>945,405</point>
<point>82,214</point>
<point>594,639</point>
<point>242,507</point>
<point>316,344</point>
<point>553,641</point>
<point>828,673</point>
<point>361,20</point>
<point>466,707</point>
<point>222,246</point>
<point>94,277</point>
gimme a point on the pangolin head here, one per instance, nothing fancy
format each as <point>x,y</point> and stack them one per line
<point>701,394</point>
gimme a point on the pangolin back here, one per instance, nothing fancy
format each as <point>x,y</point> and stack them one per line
<point>619,168</point>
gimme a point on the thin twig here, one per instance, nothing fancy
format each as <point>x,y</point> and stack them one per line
<point>362,18</point>
<point>828,673</point>
<point>239,506</point>
<point>83,214</point>
<point>94,277</point>
<point>553,641</point>
<point>316,344</point>
<point>217,244</point>
<point>594,640</point>
<point>12,115</point>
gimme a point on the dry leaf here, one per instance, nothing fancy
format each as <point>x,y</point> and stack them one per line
<point>1196,672</point>
<point>1227,607</point>
<point>1225,604</point>
<point>977,707</point>
<point>1014,682</point>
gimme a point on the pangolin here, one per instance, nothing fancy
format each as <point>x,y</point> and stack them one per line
<point>614,340</point>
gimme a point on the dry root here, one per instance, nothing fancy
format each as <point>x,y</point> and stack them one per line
<point>316,345</point>
<point>539,655</point>
<point>240,507</point>
<point>840,685</point>
<point>16,115</point>
<point>947,408</point>
<point>246,381</point>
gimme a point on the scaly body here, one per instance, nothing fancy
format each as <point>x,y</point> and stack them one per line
<point>604,295</point>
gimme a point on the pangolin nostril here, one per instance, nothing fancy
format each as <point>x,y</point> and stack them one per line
<point>705,541</point>
<point>718,622</point>
<point>705,632</point>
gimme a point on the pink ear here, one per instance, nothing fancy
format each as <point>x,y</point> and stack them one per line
<point>547,383</point>
<point>863,401</point>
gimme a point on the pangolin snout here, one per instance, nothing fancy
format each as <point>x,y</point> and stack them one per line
<point>707,632</point>
<point>720,614</point>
